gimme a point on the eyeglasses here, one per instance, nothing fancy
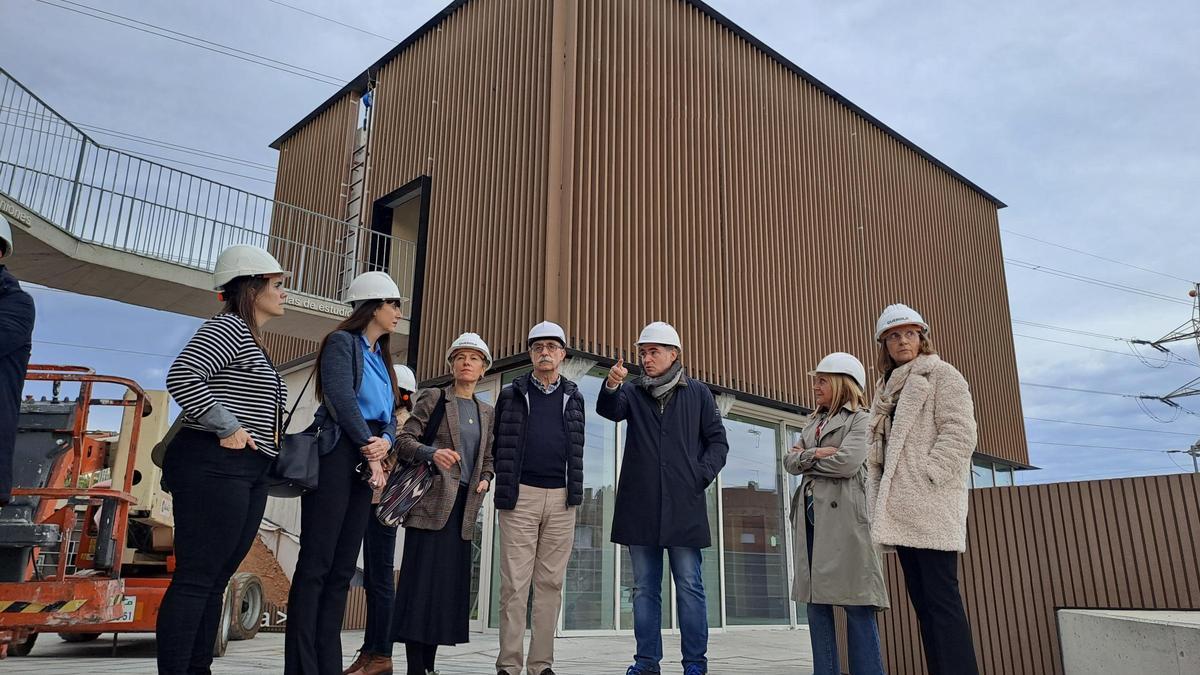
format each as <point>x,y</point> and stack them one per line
<point>907,335</point>
<point>547,347</point>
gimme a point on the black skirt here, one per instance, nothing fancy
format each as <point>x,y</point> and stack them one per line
<point>433,595</point>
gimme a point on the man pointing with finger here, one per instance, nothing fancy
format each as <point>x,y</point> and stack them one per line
<point>674,448</point>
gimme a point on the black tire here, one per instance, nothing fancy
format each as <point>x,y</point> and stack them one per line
<point>247,605</point>
<point>23,647</point>
<point>78,637</point>
<point>225,623</point>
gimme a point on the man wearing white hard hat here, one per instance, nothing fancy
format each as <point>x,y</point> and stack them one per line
<point>836,563</point>
<point>674,448</point>
<point>539,438</point>
<point>230,397</point>
<point>16,342</point>
<point>922,438</point>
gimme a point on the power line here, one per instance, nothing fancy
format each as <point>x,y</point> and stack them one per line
<point>1095,349</point>
<point>1098,257</point>
<point>332,20</point>
<point>1094,281</point>
<point>178,148</point>
<point>1097,447</point>
<point>1109,426</point>
<point>207,45</point>
<point>1106,474</point>
<point>138,153</point>
<point>105,349</point>
<point>1073,331</point>
<point>1081,391</point>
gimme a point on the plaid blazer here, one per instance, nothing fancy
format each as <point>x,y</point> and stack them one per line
<point>433,510</point>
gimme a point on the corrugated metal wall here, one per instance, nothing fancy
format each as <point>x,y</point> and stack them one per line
<point>314,167</point>
<point>1132,543</point>
<point>662,166</point>
<point>466,105</point>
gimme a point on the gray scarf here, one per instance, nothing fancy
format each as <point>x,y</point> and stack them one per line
<point>663,386</point>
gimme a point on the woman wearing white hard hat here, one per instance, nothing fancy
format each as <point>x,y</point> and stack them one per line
<point>216,465</point>
<point>922,438</point>
<point>379,550</point>
<point>356,385</point>
<point>836,563</point>
<point>451,427</point>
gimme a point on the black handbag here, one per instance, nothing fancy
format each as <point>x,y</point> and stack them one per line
<point>297,466</point>
<point>408,483</point>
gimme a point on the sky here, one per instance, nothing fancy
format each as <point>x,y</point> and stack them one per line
<point>1079,115</point>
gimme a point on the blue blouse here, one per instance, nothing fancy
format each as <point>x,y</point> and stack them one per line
<point>376,400</point>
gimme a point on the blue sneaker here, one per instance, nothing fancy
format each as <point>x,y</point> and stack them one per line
<point>694,669</point>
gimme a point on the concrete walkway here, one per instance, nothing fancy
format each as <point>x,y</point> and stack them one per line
<point>758,651</point>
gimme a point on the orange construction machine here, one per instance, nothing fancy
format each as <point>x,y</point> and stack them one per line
<point>86,542</point>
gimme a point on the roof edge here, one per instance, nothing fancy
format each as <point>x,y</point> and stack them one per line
<point>360,84</point>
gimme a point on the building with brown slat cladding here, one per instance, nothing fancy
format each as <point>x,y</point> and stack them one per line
<point>605,163</point>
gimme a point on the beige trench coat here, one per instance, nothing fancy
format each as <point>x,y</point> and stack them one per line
<point>845,566</point>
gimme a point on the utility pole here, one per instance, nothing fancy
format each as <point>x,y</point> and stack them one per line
<point>1188,331</point>
<point>1194,451</point>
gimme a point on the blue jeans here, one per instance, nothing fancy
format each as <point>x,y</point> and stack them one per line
<point>862,633</point>
<point>379,549</point>
<point>647,605</point>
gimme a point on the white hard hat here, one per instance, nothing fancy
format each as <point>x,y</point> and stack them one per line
<point>372,286</point>
<point>845,364</point>
<point>898,315</point>
<point>660,333</point>
<point>469,341</point>
<point>6,238</point>
<point>547,329</point>
<point>405,378</point>
<point>244,260</point>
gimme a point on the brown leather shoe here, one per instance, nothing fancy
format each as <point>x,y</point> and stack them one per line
<point>359,661</point>
<point>377,664</point>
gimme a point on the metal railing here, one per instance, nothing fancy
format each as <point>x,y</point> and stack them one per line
<point>118,200</point>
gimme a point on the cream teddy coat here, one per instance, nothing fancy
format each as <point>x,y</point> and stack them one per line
<point>917,479</point>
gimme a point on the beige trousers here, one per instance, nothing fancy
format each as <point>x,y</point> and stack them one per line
<point>536,539</point>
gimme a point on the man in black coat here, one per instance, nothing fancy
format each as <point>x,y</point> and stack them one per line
<point>674,448</point>
<point>538,445</point>
<point>16,340</point>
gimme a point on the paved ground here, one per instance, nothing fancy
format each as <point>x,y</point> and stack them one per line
<point>767,652</point>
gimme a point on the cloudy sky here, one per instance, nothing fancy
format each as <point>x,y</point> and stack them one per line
<point>1079,115</point>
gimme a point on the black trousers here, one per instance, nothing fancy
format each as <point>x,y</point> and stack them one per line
<point>219,498</point>
<point>379,551</point>
<point>332,521</point>
<point>932,579</point>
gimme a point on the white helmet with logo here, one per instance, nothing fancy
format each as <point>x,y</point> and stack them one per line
<point>547,330</point>
<point>244,260</point>
<point>372,286</point>
<point>898,315</point>
<point>405,379</point>
<point>6,238</point>
<point>843,364</point>
<point>469,341</point>
<point>660,333</point>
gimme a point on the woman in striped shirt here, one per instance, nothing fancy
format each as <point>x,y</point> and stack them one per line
<point>216,466</point>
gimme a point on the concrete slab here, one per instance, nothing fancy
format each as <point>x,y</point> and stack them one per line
<point>1133,642</point>
<point>760,651</point>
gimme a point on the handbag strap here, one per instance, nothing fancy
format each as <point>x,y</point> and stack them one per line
<point>435,419</point>
<point>287,423</point>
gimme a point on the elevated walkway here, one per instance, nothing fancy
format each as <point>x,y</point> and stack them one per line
<point>98,221</point>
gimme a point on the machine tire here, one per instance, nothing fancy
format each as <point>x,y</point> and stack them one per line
<point>78,637</point>
<point>225,623</point>
<point>23,647</point>
<point>247,605</point>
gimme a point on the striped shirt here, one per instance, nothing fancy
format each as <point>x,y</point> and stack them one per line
<point>223,380</point>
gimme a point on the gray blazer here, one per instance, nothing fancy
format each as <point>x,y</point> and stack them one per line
<point>844,569</point>
<point>433,510</point>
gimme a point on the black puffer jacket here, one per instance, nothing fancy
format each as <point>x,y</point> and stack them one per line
<point>512,410</point>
